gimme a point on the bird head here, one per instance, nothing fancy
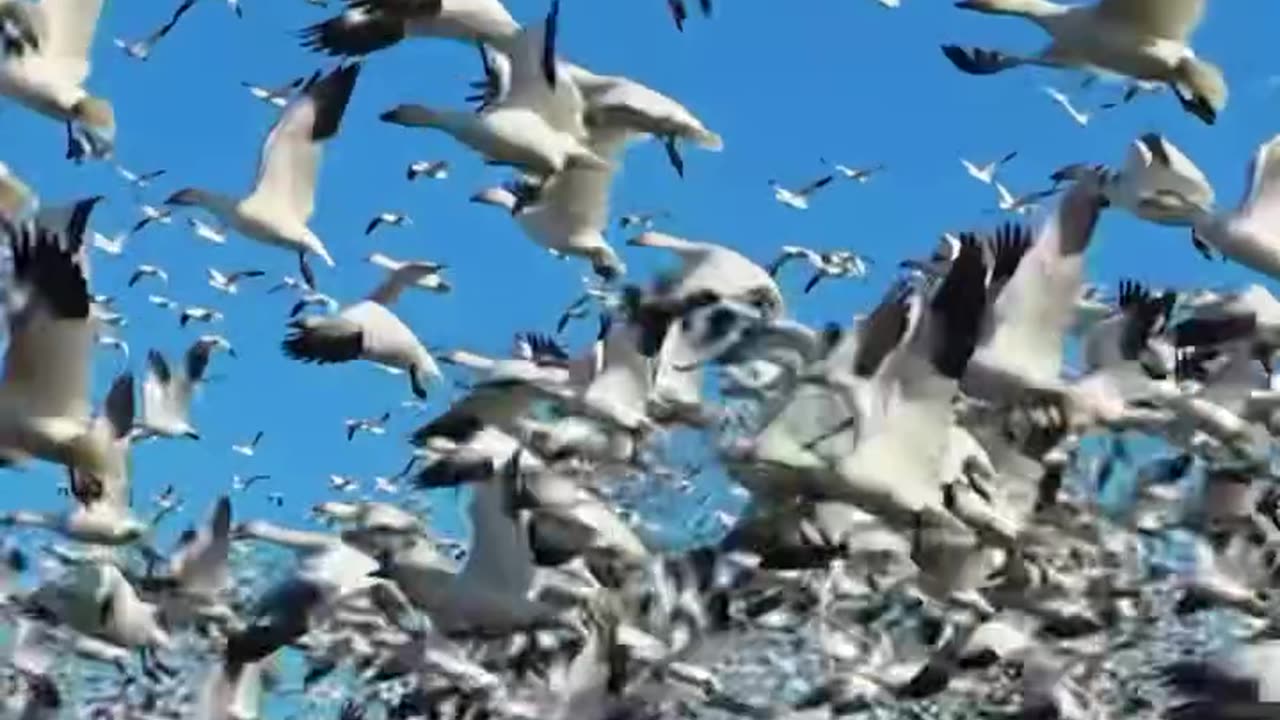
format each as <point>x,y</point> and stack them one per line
<point>1201,87</point>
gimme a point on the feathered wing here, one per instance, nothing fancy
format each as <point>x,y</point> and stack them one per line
<point>1035,308</point>
<point>47,365</point>
<point>289,164</point>
<point>1165,19</point>
<point>1262,199</point>
<point>67,36</point>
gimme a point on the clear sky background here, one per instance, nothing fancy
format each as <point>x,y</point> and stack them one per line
<point>845,80</point>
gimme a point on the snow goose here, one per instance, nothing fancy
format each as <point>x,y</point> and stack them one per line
<point>205,231</point>
<point>893,471</point>
<point>715,268</point>
<point>229,283</point>
<point>249,448</point>
<point>141,49</point>
<point>534,124</point>
<point>1063,101</point>
<point>799,198</point>
<point>1035,284</point>
<point>47,70</point>
<point>277,96</point>
<point>835,263</point>
<point>198,314</point>
<point>433,169</point>
<point>432,281</point>
<point>373,426</point>
<point>1024,204</point>
<point>368,330</point>
<point>44,405</point>
<point>100,480</point>
<point>619,102</point>
<point>1158,183</point>
<point>100,602</point>
<point>1245,234</point>
<point>490,596</point>
<point>166,395</point>
<point>329,570</point>
<point>571,211</point>
<point>985,174</point>
<point>1142,39</point>
<point>15,197</point>
<point>282,200</point>
<point>371,25</point>
<point>145,271</point>
<point>387,218</point>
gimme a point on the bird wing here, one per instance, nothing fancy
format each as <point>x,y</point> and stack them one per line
<point>69,26</point>
<point>1157,167</point>
<point>560,103</point>
<point>50,334</point>
<point>816,185</point>
<point>1166,19</point>
<point>1263,196</point>
<point>161,407</point>
<point>290,159</point>
<point>1036,306</point>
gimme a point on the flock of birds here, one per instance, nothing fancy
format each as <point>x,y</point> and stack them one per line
<point>926,522</point>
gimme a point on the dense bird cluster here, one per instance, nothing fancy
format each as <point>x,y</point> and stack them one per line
<point>926,530</point>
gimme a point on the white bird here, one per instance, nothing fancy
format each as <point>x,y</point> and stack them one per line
<point>199,314</point>
<point>387,218</point>
<point>1158,183</point>
<point>310,298</point>
<point>799,199</point>
<point>373,426</point>
<point>99,480</point>
<point>1082,118</point>
<point>894,471</point>
<point>343,483</point>
<point>248,449</point>
<point>432,281</point>
<point>622,104</point>
<point>1021,204</point>
<point>113,246</point>
<point>860,175</point>
<point>167,394</point>
<point>44,395</point>
<point>1141,39</point>
<point>115,343</point>
<point>986,174</point>
<point>144,271</point>
<point>835,263</point>
<point>47,63</point>
<point>717,269</point>
<point>141,181</point>
<point>277,209</point>
<point>368,330</point>
<point>1245,234</point>
<point>278,96</point>
<point>240,483</point>
<point>229,283</point>
<point>152,214</point>
<point>205,231</point>
<point>380,24</point>
<point>431,169</point>
<point>535,125</point>
<point>162,302</point>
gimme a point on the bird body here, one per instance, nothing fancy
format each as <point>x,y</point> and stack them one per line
<point>47,70</point>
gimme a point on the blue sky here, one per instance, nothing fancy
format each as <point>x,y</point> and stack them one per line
<point>844,80</point>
